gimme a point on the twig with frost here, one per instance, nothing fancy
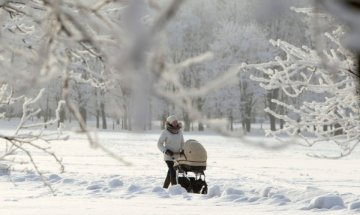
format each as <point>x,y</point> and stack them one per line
<point>26,142</point>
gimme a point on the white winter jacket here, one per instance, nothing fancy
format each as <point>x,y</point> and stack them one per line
<point>173,142</point>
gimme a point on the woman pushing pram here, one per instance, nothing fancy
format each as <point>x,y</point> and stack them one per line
<point>182,157</point>
<point>171,142</point>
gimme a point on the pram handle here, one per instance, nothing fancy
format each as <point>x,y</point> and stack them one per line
<point>178,155</point>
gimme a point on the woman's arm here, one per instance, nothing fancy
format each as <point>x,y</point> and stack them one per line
<point>161,142</point>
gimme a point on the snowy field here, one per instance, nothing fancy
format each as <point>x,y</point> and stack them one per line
<point>241,179</point>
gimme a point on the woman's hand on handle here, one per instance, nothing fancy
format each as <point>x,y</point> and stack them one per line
<point>169,152</point>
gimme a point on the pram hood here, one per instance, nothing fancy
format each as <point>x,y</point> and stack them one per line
<point>194,155</point>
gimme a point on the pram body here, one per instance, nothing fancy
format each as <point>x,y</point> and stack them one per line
<point>193,159</point>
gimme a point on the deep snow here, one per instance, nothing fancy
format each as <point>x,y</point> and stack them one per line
<point>241,179</point>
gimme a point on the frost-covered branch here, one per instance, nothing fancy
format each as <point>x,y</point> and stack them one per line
<point>25,141</point>
<point>330,108</point>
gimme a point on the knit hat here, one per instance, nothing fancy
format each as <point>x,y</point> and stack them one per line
<point>171,119</point>
<point>174,129</point>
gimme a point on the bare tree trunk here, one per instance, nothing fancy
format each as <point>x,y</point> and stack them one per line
<point>325,127</point>
<point>150,115</point>
<point>272,122</point>
<point>97,118</point>
<point>247,102</point>
<point>273,94</point>
<point>163,120</point>
<point>125,119</point>
<point>231,121</point>
<point>187,122</point>
<point>244,125</point>
<point>150,124</point>
<point>62,116</point>
<point>125,123</point>
<point>200,103</point>
<point>248,123</point>
<point>129,124</point>
<point>249,112</point>
<point>97,108</point>
<point>103,115</point>
<point>282,122</point>
<point>83,113</point>
<point>201,126</point>
<point>46,114</point>
<point>248,126</point>
<point>70,118</point>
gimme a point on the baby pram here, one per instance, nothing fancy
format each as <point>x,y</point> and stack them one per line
<point>192,159</point>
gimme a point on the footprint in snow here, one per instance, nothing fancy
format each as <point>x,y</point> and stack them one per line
<point>161,192</point>
<point>328,201</point>
<point>115,183</point>
<point>95,185</point>
<point>177,190</point>
<point>19,179</point>
<point>231,194</point>
<point>68,181</point>
<point>133,188</point>
<point>54,178</point>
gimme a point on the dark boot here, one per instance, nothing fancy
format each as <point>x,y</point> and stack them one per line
<point>171,175</point>
<point>173,180</point>
<point>167,181</point>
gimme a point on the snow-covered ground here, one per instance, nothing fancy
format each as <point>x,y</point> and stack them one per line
<point>241,179</point>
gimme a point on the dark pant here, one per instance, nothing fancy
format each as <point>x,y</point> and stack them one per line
<point>171,175</point>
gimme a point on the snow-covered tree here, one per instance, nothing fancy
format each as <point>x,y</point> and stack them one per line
<point>237,42</point>
<point>334,115</point>
<point>193,23</point>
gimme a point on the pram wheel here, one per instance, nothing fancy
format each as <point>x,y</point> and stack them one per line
<point>195,184</point>
<point>204,190</point>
